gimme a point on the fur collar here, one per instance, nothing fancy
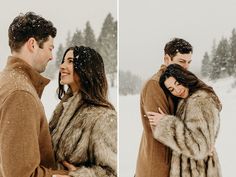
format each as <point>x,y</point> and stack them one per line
<point>68,109</point>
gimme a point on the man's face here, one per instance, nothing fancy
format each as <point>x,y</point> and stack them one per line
<point>183,60</point>
<point>43,55</point>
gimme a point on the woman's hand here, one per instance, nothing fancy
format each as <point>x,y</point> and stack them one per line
<point>154,117</point>
<point>69,166</point>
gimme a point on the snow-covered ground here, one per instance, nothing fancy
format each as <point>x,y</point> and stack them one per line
<point>50,100</point>
<point>130,129</point>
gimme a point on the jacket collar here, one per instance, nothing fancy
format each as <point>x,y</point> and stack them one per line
<point>163,68</point>
<point>38,81</point>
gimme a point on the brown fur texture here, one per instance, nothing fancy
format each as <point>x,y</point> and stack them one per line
<point>191,134</point>
<point>85,136</point>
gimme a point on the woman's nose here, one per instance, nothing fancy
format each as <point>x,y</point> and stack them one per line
<point>178,90</point>
<point>62,66</point>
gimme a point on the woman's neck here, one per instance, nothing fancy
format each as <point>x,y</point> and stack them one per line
<point>74,88</point>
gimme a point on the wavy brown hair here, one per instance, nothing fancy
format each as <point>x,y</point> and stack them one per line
<point>89,66</point>
<point>28,25</point>
<point>187,79</point>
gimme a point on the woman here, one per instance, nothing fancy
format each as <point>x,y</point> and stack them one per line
<point>192,132</point>
<point>83,126</point>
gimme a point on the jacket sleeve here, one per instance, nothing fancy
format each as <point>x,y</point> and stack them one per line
<point>194,135</point>
<point>104,146</point>
<point>153,97</point>
<point>20,126</point>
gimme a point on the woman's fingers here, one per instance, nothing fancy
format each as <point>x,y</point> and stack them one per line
<point>152,121</point>
<point>151,113</point>
<point>159,109</point>
<point>69,166</point>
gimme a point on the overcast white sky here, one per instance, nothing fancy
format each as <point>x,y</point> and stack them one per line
<point>65,15</point>
<point>145,27</point>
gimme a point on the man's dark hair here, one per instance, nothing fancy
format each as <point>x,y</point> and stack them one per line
<point>178,45</point>
<point>28,25</point>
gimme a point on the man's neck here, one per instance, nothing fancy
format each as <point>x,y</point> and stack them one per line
<point>22,56</point>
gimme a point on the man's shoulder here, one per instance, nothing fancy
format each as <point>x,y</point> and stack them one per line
<point>153,81</point>
<point>11,81</point>
<point>156,76</point>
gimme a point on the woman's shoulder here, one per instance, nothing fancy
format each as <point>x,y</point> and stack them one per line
<point>201,97</point>
<point>99,111</point>
<point>200,94</point>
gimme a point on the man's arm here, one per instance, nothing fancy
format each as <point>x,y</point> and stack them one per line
<point>154,97</point>
<point>20,128</point>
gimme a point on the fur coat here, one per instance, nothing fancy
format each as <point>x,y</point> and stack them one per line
<point>85,136</point>
<point>191,134</point>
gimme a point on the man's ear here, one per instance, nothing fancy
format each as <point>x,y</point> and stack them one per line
<point>167,59</point>
<point>31,44</point>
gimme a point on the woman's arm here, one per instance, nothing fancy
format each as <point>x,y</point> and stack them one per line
<point>193,136</point>
<point>103,142</point>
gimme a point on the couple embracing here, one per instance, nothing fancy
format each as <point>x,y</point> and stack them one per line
<point>180,116</point>
<point>80,139</point>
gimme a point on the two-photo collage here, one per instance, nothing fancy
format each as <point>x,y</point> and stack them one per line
<point>116,88</point>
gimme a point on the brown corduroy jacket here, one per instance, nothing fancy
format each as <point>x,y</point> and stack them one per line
<point>25,142</point>
<point>154,157</point>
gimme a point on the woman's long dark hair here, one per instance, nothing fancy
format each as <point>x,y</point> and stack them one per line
<point>187,79</point>
<point>89,66</point>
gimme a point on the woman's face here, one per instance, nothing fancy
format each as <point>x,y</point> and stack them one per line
<point>68,76</point>
<point>176,88</point>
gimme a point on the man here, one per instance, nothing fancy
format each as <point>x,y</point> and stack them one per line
<point>154,157</point>
<point>25,142</point>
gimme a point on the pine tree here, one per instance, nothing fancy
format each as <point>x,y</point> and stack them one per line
<point>59,55</point>
<point>89,37</point>
<point>77,39</point>
<point>68,40</point>
<point>129,83</point>
<point>213,50</point>
<point>231,65</point>
<point>206,65</point>
<point>219,61</point>
<point>107,45</point>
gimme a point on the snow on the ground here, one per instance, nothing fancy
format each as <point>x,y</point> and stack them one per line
<point>130,129</point>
